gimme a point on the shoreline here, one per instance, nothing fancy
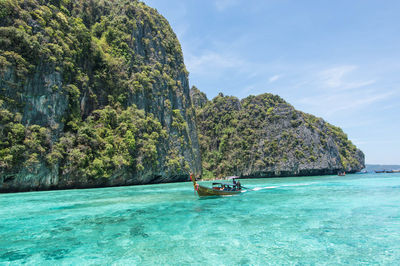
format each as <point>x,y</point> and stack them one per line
<point>54,188</point>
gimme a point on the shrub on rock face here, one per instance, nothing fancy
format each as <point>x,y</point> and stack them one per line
<point>20,146</point>
<point>109,140</point>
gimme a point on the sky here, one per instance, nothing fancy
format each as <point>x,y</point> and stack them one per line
<point>339,60</point>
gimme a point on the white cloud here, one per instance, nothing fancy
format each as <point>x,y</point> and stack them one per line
<point>333,77</point>
<point>391,106</point>
<point>224,4</point>
<point>329,104</point>
<point>274,78</point>
<point>340,92</point>
<point>212,62</point>
<point>337,78</point>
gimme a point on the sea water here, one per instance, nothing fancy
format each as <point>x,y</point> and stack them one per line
<point>301,220</point>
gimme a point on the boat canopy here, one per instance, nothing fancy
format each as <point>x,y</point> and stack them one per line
<point>225,184</point>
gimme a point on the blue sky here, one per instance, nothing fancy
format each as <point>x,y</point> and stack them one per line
<point>339,60</point>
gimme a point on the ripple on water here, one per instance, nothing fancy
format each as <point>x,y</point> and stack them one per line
<point>55,254</point>
<point>13,255</point>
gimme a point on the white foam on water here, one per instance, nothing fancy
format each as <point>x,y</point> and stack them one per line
<point>261,188</point>
<point>297,185</point>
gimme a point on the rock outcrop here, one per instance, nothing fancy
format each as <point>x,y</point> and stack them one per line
<point>263,136</point>
<point>62,63</point>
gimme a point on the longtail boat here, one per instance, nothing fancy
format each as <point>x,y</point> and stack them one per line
<point>217,189</point>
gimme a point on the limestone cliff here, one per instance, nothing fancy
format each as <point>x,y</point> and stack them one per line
<point>263,136</point>
<point>93,93</point>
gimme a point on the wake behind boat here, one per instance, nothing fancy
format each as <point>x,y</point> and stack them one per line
<point>217,189</point>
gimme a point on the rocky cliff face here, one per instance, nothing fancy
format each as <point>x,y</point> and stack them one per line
<point>263,136</point>
<point>93,93</point>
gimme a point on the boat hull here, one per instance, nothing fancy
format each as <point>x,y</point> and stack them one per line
<point>203,191</point>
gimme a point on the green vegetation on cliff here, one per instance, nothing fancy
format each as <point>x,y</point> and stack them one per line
<point>265,136</point>
<point>92,87</point>
<point>107,141</point>
<point>20,145</point>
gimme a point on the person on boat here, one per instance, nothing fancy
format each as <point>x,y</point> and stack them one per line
<point>235,184</point>
<point>238,185</point>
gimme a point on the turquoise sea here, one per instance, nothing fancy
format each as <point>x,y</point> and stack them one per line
<point>301,220</point>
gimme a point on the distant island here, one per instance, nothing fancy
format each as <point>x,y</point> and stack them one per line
<point>380,167</point>
<point>96,94</point>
